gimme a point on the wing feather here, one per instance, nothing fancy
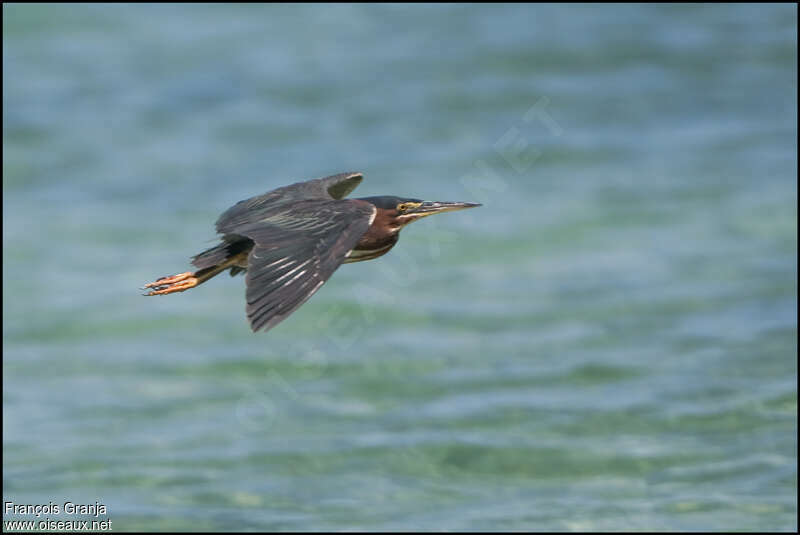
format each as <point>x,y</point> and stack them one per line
<point>297,248</point>
<point>334,187</point>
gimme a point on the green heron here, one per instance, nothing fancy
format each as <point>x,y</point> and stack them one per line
<point>291,240</point>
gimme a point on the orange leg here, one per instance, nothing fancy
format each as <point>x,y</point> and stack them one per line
<point>175,283</point>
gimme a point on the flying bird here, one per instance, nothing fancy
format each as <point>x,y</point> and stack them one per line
<point>290,240</point>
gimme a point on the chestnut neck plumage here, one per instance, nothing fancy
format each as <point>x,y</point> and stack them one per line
<point>380,237</point>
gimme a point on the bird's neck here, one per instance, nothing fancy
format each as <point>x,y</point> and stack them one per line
<point>380,237</point>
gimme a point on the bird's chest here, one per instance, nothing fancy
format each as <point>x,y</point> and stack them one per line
<point>374,243</point>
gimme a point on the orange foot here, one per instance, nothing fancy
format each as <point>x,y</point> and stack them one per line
<point>175,283</point>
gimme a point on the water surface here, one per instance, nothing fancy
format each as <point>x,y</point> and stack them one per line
<point>609,343</point>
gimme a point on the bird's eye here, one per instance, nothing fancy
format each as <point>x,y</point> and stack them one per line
<point>402,207</point>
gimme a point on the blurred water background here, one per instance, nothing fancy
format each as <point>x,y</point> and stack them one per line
<point>609,343</point>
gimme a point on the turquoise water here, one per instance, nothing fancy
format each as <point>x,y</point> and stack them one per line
<point>609,343</point>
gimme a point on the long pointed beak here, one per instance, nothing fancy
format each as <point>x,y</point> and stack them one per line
<point>432,207</point>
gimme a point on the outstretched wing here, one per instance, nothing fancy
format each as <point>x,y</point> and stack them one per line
<point>332,187</point>
<point>297,247</point>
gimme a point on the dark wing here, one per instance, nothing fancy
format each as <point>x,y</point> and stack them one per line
<point>297,248</point>
<point>332,187</point>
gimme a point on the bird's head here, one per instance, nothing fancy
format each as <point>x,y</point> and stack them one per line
<point>397,212</point>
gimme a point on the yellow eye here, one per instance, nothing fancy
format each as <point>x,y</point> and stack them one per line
<point>405,206</point>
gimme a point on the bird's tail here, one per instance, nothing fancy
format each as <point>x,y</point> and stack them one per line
<point>212,262</point>
<point>212,257</point>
